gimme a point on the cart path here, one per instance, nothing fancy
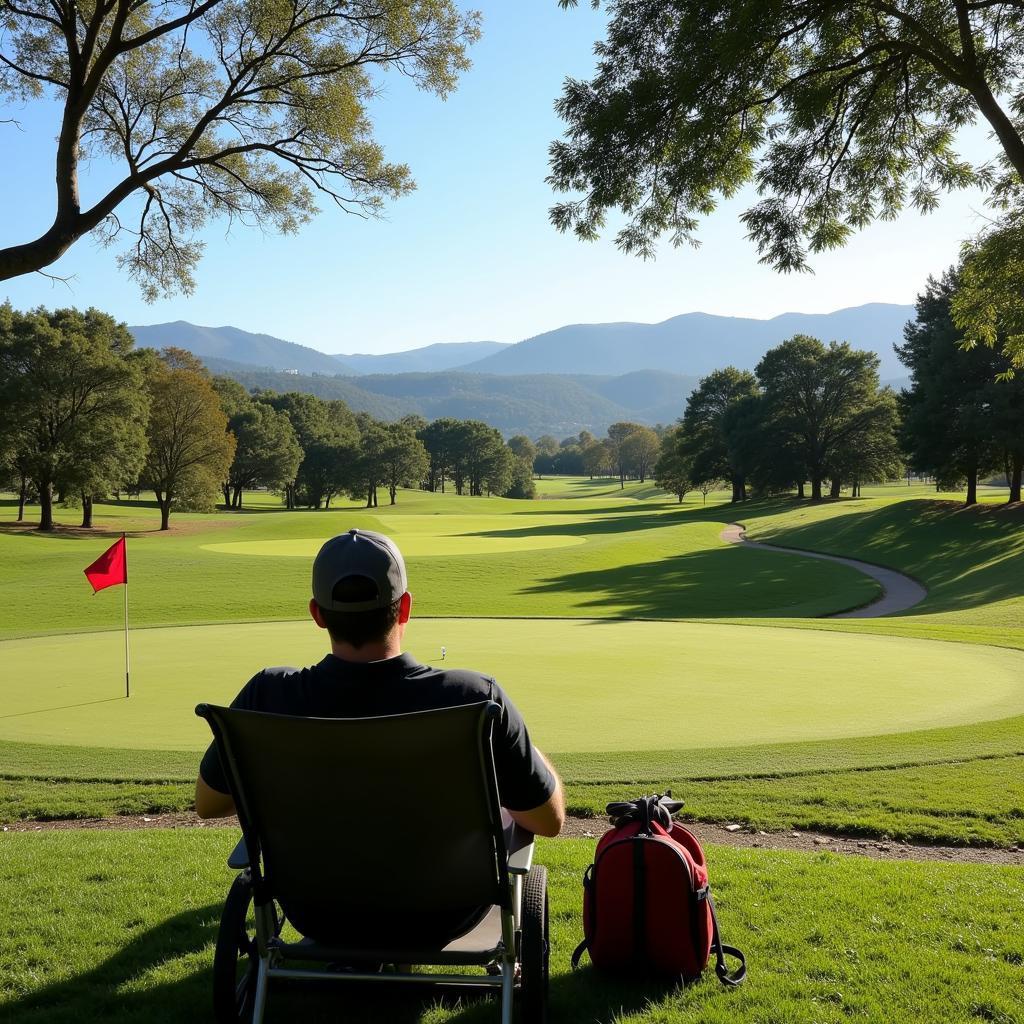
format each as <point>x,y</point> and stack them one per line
<point>594,828</point>
<point>899,592</point>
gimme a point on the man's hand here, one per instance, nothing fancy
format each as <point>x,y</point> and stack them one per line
<point>546,820</point>
<point>212,803</point>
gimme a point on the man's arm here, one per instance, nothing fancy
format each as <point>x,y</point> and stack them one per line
<point>212,803</point>
<point>548,818</point>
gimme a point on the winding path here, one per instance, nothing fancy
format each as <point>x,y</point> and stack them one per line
<point>899,592</point>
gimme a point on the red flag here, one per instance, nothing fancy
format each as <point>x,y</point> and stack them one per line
<point>110,568</point>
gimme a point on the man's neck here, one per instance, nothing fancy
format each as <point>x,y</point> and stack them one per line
<point>380,651</point>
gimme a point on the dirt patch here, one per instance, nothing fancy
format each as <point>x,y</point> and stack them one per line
<point>594,828</point>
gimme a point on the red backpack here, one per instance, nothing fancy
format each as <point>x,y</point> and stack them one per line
<point>646,900</point>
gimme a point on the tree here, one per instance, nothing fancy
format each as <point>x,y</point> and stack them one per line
<point>988,305</point>
<point>222,108</point>
<point>405,460</point>
<point>190,449</point>
<point>639,451</point>
<point>672,471</point>
<point>707,486</point>
<point>948,429</point>
<point>618,450</point>
<point>267,451</point>
<point>523,448</point>
<point>871,452</point>
<point>840,113</point>
<point>817,398</point>
<point>595,459</point>
<point>439,438</point>
<point>308,416</point>
<point>521,485</point>
<point>705,439</point>
<point>73,402</point>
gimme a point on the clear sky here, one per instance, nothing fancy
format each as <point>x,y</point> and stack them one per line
<point>470,254</point>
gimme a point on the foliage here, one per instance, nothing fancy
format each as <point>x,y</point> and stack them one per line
<point>840,114</point>
<point>189,448</point>
<point>243,109</point>
<point>74,407</point>
<point>403,457</point>
<point>821,401</point>
<point>949,426</point>
<point>705,440</point>
<point>267,452</point>
<point>988,305</point>
<point>673,470</point>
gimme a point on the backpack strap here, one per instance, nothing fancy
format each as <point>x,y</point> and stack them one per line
<point>737,976</point>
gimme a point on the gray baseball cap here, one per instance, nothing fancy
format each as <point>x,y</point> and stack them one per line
<point>359,553</point>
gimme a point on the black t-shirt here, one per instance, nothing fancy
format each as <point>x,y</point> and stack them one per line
<point>344,689</point>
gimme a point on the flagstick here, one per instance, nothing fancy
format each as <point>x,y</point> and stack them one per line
<point>127,683</point>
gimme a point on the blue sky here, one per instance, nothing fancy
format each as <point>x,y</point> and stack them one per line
<point>470,254</point>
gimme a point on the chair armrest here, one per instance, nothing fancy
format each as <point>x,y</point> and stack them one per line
<point>239,858</point>
<point>520,851</point>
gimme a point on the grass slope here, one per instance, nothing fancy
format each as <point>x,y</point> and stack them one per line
<point>828,939</point>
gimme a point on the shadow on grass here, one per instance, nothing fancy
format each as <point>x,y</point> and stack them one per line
<point>143,984</point>
<point>725,582</point>
<point>63,707</point>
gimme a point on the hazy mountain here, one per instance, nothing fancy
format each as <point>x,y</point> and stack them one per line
<point>534,404</point>
<point>429,359</point>
<point>694,344</point>
<point>238,346</point>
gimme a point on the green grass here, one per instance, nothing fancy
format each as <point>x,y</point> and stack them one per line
<point>563,674</point>
<point>131,924</point>
<point>780,712</point>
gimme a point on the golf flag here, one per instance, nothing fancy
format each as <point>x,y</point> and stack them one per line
<point>110,568</point>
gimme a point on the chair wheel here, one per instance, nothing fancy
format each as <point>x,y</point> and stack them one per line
<point>534,948</point>
<point>235,958</point>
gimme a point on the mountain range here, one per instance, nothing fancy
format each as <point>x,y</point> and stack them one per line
<point>581,376</point>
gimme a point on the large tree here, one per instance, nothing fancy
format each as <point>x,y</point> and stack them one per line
<point>839,113</point>
<point>673,472</point>
<point>249,110</point>
<point>949,430</point>
<point>705,440</point>
<point>267,452</point>
<point>817,397</point>
<point>72,399</point>
<point>404,458</point>
<point>190,448</point>
<point>640,451</point>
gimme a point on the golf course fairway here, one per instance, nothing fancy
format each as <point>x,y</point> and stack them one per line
<point>584,684</point>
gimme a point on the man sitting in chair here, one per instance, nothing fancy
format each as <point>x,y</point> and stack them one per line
<point>361,597</point>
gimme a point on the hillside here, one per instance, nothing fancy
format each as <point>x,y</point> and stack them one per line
<point>533,404</point>
<point>429,359</point>
<point>694,344</point>
<point>238,346</point>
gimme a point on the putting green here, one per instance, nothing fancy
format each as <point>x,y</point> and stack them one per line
<point>584,685</point>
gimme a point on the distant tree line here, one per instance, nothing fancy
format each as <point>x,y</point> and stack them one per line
<point>628,452</point>
<point>86,415</point>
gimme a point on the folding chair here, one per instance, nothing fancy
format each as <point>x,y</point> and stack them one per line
<point>380,841</point>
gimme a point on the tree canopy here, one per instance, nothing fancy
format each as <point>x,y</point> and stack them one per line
<point>839,113</point>
<point>250,110</point>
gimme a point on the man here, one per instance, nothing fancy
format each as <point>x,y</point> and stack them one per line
<point>361,597</point>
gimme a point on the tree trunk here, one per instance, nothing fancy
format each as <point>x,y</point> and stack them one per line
<point>972,487</point>
<point>816,488</point>
<point>836,488</point>
<point>163,499</point>
<point>1015,476</point>
<point>327,502</point>
<point>45,505</point>
<point>374,495</point>
<point>22,495</point>
<point>800,490</point>
<point>225,489</point>
<point>393,491</point>
<point>86,512</point>
<point>236,499</point>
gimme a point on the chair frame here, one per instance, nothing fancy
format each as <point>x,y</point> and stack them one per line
<point>513,863</point>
